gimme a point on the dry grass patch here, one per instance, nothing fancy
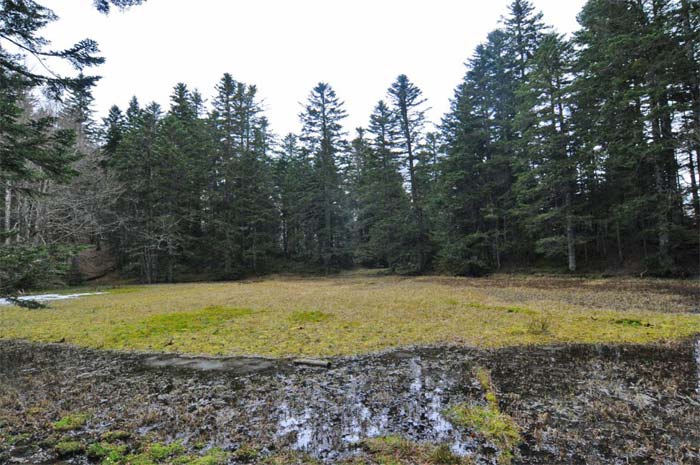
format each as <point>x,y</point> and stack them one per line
<point>361,313</point>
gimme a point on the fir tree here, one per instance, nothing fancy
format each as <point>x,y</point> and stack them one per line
<point>323,139</point>
<point>546,189</point>
<point>408,106</point>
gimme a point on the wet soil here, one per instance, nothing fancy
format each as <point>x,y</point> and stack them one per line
<point>574,404</point>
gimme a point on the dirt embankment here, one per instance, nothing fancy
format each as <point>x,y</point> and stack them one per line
<point>573,404</point>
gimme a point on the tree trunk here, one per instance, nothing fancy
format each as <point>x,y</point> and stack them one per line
<point>694,187</point>
<point>570,234</point>
<point>694,88</point>
<point>662,220</point>
<point>620,256</point>
<point>8,212</point>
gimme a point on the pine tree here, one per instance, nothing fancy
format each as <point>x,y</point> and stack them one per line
<point>461,209</point>
<point>222,175</point>
<point>383,207</point>
<point>546,189</point>
<point>627,62</point>
<point>112,131</point>
<point>408,106</point>
<point>184,144</point>
<point>524,30</point>
<point>241,184</point>
<point>293,183</point>
<point>687,16</point>
<point>323,139</point>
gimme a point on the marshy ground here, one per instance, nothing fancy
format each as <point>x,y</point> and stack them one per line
<point>535,370</point>
<point>364,313</point>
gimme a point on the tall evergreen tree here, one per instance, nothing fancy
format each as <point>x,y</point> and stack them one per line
<point>385,206</point>
<point>626,64</point>
<point>323,139</point>
<point>408,106</point>
<point>461,209</point>
<point>294,182</point>
<point>546,189</point>
<point>240,185</point>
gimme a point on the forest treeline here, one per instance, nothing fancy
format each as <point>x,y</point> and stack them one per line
<point>578,153</point>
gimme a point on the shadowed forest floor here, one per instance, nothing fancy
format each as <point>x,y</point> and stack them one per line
<point>364,312</point>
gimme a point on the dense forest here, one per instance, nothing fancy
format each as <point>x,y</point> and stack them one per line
<point>576,153</point>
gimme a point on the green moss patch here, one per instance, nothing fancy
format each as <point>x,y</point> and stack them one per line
<point>112,436</point>
<point>71,422</point>
<point>189,321</point>
<point>487,420</point>
<point>154,454</point>
<point>633,323</point>
<point>68,448</point>
<point>160,329</point>
<point>309,317</point>
<point>106,452</point>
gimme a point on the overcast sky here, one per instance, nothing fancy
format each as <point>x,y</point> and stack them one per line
<point>285,47</point>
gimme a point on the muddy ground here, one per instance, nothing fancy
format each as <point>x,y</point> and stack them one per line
<point>573,404</point>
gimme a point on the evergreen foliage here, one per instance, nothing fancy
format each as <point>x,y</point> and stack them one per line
<point>580,153</point>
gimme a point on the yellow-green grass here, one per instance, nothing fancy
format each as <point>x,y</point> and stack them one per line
<point>361,313</point>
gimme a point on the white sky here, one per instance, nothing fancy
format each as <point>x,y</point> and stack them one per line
<point>285,47</point>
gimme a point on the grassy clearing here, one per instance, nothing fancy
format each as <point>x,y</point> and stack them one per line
<point>361,313</point>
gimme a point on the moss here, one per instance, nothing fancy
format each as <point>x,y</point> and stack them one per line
<point>123,290</point>
<point>213,456</point>
<point>631,323</point>
<point>14,439</point>
<point>185,321</point>
<point>396,450</point>
<point>487,420</point>
<point>71,422</point>
<point>309,317</point>
<point>390,445</point>
<point>68,447</point>
<point>159,451</point>
<point>108,453</point>
<point>443,455</point>
<point>246,453</point>
<point>112,436</point>
<point>162,329</point>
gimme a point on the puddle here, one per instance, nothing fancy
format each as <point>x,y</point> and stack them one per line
<point>50,297</point>
<point>405,398</point>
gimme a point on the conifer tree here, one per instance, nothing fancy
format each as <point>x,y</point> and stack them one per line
<point>323,139</point>
<point>408,106</point>
<point>546,189</point>
<point>627,64</point>
<point>383,205</point>
<point>293,183</point>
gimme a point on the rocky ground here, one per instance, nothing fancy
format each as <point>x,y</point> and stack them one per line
<point>572,405</point>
